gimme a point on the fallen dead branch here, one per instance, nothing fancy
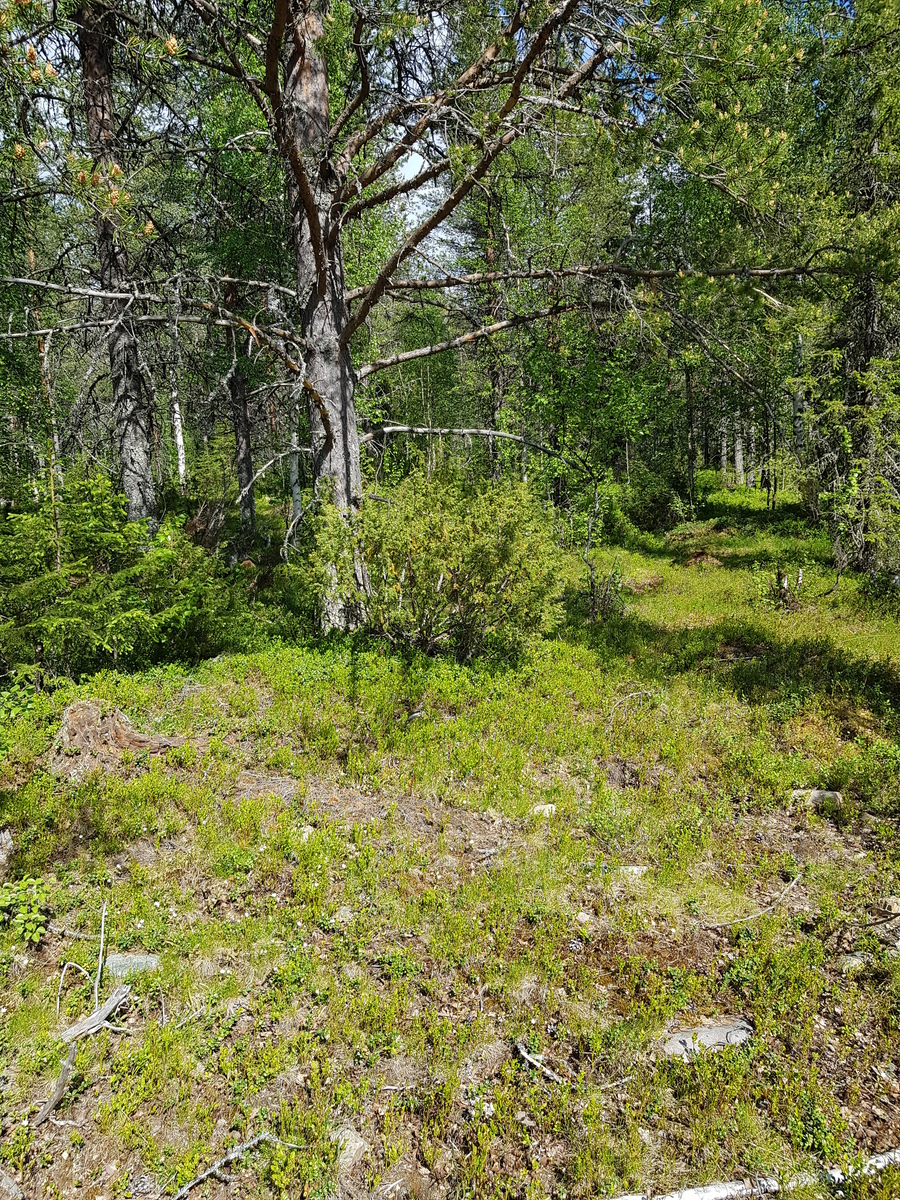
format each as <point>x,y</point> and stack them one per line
<point>61,931</point>
<point>232,1156</point>
<point>538,1065</point>
<point>63,977</point>
<point>767,1186</point>
<point>100,956</point>
<point>99,1017</point>
<point>762,912</point>
<point>61,1084</point>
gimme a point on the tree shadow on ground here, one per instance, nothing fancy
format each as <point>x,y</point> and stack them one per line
<point>756,666</point>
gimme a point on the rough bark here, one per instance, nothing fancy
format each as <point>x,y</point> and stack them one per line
<point>314,187</point>
<point>240,421</point>
<point>133,415</point>
<point>331,380</point>
<point>723,444</point>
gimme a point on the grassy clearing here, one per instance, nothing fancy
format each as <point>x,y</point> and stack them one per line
<point>360,914</point>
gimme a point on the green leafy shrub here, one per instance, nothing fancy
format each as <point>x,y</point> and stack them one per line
<point>82,587</point>
<point>449,564</point>
<point>22,905</point>
<point>16,699</point>
<point>651,502</point>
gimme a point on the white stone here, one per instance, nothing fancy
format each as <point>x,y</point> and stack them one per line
<point>685,1043</point>
<point>119,965</point>
<point>544,810</point>
<point>817,797</point>
<point>352,1149</point>
<point>848,963</point>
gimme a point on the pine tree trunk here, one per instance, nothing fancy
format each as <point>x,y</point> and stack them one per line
<point>331,380</point>
<point>240,420</point>
<point>132,410</point>
<point>723,444</point>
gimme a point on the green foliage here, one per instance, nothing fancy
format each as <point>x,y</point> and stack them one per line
<point>81,587</point>
<point>449,564</point>
<point>651,501</point>
<point>16,699</point>
<point>22,906</point>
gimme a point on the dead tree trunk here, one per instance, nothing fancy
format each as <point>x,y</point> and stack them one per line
<point>133,412</point>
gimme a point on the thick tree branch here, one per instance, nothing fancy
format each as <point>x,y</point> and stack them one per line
<point>577,464</point>
<point>464,339</point>
<point>597,270</point>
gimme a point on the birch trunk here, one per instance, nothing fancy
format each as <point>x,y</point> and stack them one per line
<point>738,452</point>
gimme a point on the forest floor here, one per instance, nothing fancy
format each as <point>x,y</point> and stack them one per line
<point>429,925</point>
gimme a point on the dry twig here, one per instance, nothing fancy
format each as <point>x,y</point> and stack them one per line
<point>762,912</point>
<point>227,1159</point>
<point>61,1084</point>
<point>538,1065</point>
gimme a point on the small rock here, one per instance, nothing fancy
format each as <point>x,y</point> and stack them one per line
<point>890,904</point>
<point>344,915</point>
<point>817,798</point>
<point>6,849</point>
<point>634,872</point>
<point>685,1043</point>
<point>306,832</point>
<point>9,1188</point>
<point>352,1149</point>
<point>544,810</point>
<point>120,965</point>
<point>583,918</point>
<point>847,964</point>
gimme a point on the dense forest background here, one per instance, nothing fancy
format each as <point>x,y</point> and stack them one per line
<point>319,315</point>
